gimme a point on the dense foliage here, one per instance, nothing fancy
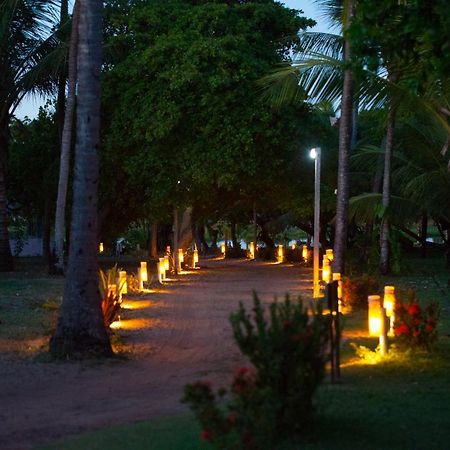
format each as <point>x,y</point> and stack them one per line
<point>272,400</point>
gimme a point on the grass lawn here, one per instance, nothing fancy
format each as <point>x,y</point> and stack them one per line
<point>400,403</point>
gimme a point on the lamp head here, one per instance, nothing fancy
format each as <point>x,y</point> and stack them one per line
<point>313,153</point>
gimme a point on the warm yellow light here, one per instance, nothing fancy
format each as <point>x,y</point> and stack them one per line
<point>223,249</point>
<point>329,254</point>
<point>180,256</point>
<point>305,253</point>
<point>123,282</point>
<point>326,270</point>
<point>161,270</point>
<point>337,277</point>
<point>280,253</point>
<point>389,300</point>
<point>143,271</point>
<point>375,315</point>
<point>166,262</point>
<point>100,247</point>
<point>168,250</point>
<point>293,246</point>
<point>251,250</point>
<point>195,258</point>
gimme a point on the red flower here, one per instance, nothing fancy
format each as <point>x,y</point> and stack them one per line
<point>206,435</point>
<point>402,329</point>
<point>429,328</point>
<point>416,333</point>
<point>414,309</point>
<point>241,371</point>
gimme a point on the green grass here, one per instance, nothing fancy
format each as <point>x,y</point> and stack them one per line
<point>29,303</point>
<point>402,403</point>
<point>167,434</point>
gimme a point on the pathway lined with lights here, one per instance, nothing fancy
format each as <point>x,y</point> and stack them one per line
<point>174,335</point>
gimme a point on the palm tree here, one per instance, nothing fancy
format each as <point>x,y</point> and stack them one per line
<point>28,64</point>
<point>80,330</point>
<point>66,142</point>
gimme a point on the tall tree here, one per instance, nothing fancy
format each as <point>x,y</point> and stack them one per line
<point>66,142</point>
<point>27,64</point>
<point>345,140</point>
<point>80,331</point>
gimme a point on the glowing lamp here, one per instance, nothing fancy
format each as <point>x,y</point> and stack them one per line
<point>180,255</point>
<point>280,253</point>
<point>101,248</point>
<point>161,270</point>
<point>143,272</point>
<point>293,246</point>
<point>223,249</point>
<point>195,258</point>
<point>251,250</point>
<point>166,263</point>
<point>389,306</point>
<point>305,253</point>
<point>326,270</point>
<point>329,254</point>
<point>389,300</point>
<point>375,315</point>
<point>123,282</point>
<point>337,277</point>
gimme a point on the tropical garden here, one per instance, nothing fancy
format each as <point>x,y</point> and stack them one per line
<point>173,144</point>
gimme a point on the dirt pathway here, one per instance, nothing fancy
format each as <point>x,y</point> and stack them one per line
<point>176,335</point>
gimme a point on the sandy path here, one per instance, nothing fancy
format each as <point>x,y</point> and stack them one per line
<point>186,337</point>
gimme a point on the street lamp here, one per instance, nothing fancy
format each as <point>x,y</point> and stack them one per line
<point>315,154</point>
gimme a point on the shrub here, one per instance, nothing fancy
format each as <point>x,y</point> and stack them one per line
<point>356,290</point>
<point>415,327</point>
<point>274,397</point>
<point>110,298</point>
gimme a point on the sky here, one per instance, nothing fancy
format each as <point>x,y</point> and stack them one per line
<point>30,104</point>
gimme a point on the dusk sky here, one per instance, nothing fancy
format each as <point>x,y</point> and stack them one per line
<point>30,104</point>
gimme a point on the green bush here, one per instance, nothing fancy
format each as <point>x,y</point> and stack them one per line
<point>273,398</point>
<point>355,291</point>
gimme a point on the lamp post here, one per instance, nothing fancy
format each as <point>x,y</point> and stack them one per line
<point>315,154</point>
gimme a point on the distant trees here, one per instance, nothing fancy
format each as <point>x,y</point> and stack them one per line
<point>28,64</point>
<point>184,114</point>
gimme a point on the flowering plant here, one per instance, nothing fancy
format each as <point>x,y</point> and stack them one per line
<point>288,349</point>
<point>415,326</point>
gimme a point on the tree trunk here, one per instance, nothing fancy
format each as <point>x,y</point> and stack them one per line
<point>175,239</point>
<point>81,331</point>
<point>61,99</point>
<point>345,139</point>
<point>6,259</point>
<point>66,143</point>
<point>423,235</point>
<point>154,241</point>
<point>386,194</point>
<point>234,239</point>
<point>46,233</point>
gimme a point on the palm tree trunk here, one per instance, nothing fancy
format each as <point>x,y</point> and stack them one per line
<point>386,194</point>
<point>154,241</point>
<point>6,259</point>
<point>80,331</point>
<point>61,99</point>
<point>66,142</point>
<point>345,139</point>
